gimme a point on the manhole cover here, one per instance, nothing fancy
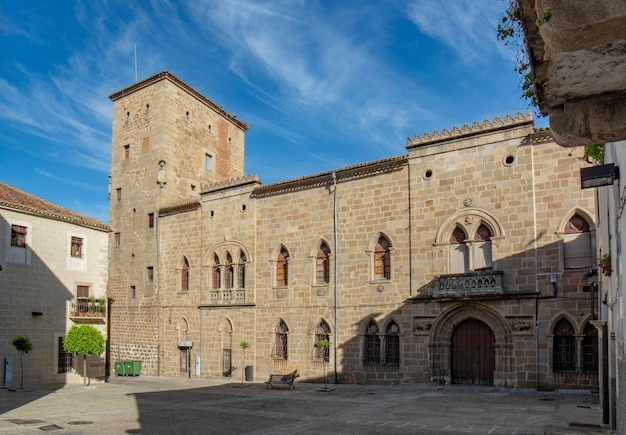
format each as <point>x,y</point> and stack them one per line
<point>50,427</point>
<point>24,421</point>
<point>79,422</point>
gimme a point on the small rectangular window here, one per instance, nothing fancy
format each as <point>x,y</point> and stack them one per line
<point>208,162</point>
<point>126,151</point>
<point>118,194</point>
<point>82,291</point>
<point>133,292</point>
<point>77,247</point>
<point>18,236</point>
<point>150,220</point>
<point>150,272</point>
<point>117,239</point>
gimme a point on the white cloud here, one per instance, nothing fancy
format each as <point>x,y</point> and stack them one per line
<point>467,27</point>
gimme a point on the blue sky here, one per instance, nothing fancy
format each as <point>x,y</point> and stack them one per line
<point>321,84</point>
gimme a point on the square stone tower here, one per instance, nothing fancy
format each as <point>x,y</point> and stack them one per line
<point>167,142</point>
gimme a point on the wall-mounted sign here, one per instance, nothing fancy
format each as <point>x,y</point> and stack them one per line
<point>185,344</point>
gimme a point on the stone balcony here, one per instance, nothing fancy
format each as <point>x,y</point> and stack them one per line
<point>88,311</point>
<point>469,285</point>
<point>227,296</point>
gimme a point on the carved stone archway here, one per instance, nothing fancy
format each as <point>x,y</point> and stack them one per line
<point>441,342</point>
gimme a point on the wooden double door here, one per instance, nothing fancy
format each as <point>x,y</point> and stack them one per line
<point>473,353</point>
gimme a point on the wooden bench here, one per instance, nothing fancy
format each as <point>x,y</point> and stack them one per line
<point>282,380</point>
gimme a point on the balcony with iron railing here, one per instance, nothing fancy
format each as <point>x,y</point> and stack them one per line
<point>88,310</point>
<point>480,284</point>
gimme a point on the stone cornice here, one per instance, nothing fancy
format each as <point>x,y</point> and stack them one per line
<point>166,75</point>
<point>188,205</point>
<point>324,178</point>
<point>469,130</point>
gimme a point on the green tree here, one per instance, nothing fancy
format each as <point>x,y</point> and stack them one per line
<point>22,345</point>
<point>84,340</point>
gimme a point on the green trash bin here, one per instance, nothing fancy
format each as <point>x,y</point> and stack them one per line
<point>120,368</point>
<point>132,368</point>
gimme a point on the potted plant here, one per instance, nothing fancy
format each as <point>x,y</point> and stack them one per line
<point>244,345</point>
<point>101,306</point>
<point>605,264</point>
<point>324,344</point>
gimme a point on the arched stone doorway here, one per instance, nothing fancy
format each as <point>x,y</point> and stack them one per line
<point>441,346</point>
<point>473,353</point>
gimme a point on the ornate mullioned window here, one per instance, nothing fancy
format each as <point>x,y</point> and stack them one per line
<point>216,273</point>
<point>371,351</point>
<point>564,347</point>
<point>322,332</point>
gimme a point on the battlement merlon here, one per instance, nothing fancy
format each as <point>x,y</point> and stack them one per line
<point>467,131</point>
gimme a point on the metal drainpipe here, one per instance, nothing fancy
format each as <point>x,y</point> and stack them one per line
<point>158,249</point>
<point>532,161</point>
<point>336,272</point>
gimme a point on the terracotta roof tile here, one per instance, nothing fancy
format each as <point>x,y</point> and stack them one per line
<point>13,198</point>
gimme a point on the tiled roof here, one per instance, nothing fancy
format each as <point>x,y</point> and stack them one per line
<point>13,198</point>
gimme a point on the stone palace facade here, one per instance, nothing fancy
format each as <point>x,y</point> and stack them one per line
<point>467,260</point>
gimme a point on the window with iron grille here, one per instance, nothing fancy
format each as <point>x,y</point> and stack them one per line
<point>382,259</point>
<point>184,275</point>
<point>564,347</point>
<point>65,359</point>
<point>18,236</point>
<point>371,354</point>
<point>322,265</point>
<point>77,247</point>
<point>280,341</point>
<point>590,349</point>
<point>392,344</point>
<point>322,332</point>
<point>282,268</point>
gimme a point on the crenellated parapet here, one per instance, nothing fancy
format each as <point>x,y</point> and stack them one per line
<point>246,179</point>
<point>470,130</point>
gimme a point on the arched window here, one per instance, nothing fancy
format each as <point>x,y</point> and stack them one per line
<point>392,344</point>
<point>280,341</point>
<point>590,349</point>
<point>322,265</point>
<point>282,267</point>
<point>577,249</point>
<point>481,249</point>
<point>216,272</point>
<point>242,270</point>
<point>230,272</point>
<point>371,351</point>
<point>382,259</point>
<point>184,275</point>
<point>459,257</point>
<point>322,332</point>
<point>564,347</point>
